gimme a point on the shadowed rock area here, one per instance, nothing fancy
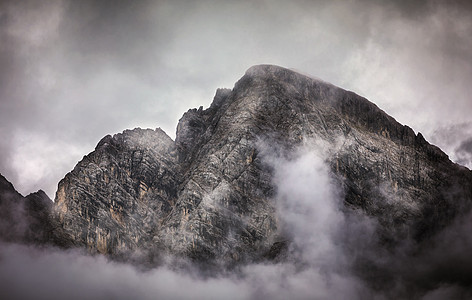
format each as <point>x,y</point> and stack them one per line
<point>24,219</point>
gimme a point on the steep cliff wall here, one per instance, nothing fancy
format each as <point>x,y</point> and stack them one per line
<point>210,194</point>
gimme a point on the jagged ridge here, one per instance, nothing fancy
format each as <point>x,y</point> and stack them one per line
<point>24,219</point>
<point>209,195</point>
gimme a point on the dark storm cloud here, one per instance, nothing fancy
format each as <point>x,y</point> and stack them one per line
<point>74,71</point>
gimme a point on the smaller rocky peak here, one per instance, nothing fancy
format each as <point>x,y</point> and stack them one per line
<point>40,199</point>
<point>5,184</point>
<point>191,127</point>
<point>143,138</point>
<point>420,140</point>
<point>220,97</point>
<point>24,219</point>
<point>104,142</point>
<point>433,152</point>
<point>137,139</point>
<point>7,190</point>
<point>38,206</point>
<point>196,124</point>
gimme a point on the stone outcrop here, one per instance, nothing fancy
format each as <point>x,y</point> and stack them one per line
<point>116,198</point>
<point>210,195</point>
<point>24,219</point>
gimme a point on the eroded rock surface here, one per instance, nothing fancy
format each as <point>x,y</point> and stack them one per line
<point>116,198</point>
<point>210,194</point>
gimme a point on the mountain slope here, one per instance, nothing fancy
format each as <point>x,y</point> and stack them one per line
<point>24,219</point>
<point>210,195</point>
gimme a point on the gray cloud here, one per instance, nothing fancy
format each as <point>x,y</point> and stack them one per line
<point>455,140</point>
<point>464,152</point>
<point>309,206</point>
<point>72,72</point>
<point>52,274</point>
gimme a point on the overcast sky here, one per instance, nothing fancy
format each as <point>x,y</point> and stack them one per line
<point>73,71</point>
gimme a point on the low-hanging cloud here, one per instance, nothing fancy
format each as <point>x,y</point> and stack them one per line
<point>309,207</point>
<point>28,273</point>
<point>310,216</point>
<point>333,252</point>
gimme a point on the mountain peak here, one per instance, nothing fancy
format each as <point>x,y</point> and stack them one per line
<point>40,198</point>
<point>281,73</point>
<point>24,219</point>
<point>211,195</point>
<point>258,70</point>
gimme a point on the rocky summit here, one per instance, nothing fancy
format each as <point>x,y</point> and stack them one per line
<point>210,194</point>
<point>24,219</point>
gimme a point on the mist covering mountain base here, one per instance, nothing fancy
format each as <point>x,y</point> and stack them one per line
<point>286,187</point>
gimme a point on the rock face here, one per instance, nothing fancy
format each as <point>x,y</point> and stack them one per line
<point>210,195</point>
<point>24,219</point>
<point>116,198</point>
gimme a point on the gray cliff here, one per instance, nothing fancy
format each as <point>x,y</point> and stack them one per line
<point>209,194</point>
